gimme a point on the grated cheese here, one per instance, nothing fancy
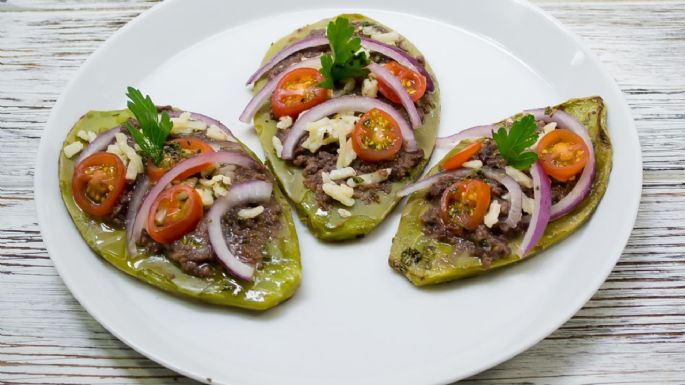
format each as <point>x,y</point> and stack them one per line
<point>519,176</point>
<point>73,149</point>
<point>341,193</point>
<point>493,214</point>
<point>250,213</point>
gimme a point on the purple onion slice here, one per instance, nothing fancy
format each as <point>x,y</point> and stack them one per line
<point>584,183</point>
<point>344,103</point>
<point>254,191</point>
<point>542,194</point>
<point>139,191</point>
<point>394,83</point>
<point>431,180</point>
<point>469,133</point>
<point>387,50</point>
<point>225,157</point>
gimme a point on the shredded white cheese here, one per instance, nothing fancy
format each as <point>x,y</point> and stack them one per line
<point>206,195</point>
<point>370,88</point>
<point>342,173</point>
<point>250,213</point>
<point>325,131</point>
<point>527,204</point>
<point>88,136</point>
<point>216,133</point>
<point>385,37</point>
<point>519,176</point>
<point>346,154</point>
<point>278,146</point>
<point>475,164</point>
<point>284,122</point>
<point>344,213</point>
<point>370,178</point>
<point>216,179</point>
<point>73,149</point>
<point>348,87</point>
<point>493,214</point>
<point>341,193</point>
<point>134,166</point>
<point>219,190</point>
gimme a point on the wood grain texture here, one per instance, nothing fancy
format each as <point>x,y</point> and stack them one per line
<point>632,331</point>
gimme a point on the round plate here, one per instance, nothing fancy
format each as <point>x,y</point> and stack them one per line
<point>354,320</point>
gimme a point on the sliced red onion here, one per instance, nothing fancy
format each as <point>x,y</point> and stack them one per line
<point>515,194</point>
<point>584,183</point>
<point>431,180</point>
<point>309,42</point>
<point>203,118</point>
<point>399,55</point>
<point>542,194</point>
<point>389,51</point>
<point>394,83</point>
<point>254,191</point>
<point>469,133</point>
<point>211,157</point>
<point>141,188</point>
<point>99,144</point>
<point>263,95</point>
<point>344,103</point>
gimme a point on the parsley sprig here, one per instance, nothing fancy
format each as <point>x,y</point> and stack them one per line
<point>154,129</point>
<point>513,144</point>
<point>347,59</point>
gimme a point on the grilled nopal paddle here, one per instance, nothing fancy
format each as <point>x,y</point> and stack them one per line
<point>425,261</point>
<point>326,222</point>
<point>275,282</point>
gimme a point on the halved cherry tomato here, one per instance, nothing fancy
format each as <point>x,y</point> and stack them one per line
<point>174,213</point>
<point>297,91</point>
<point>98,182</point>
<point>464,204</point>
<point>563,154</point>
<point>412,81</point>
<point>462,156</point>
<point>376,136</point>
<point>176,151</point>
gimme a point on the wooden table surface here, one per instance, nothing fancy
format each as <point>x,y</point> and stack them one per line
<point>632,331</point>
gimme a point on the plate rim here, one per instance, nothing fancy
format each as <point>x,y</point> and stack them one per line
<point>501,356</point>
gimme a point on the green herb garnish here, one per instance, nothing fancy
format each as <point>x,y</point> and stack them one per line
<point>154,129</point>
<point>348,60</point>
<point>513,144</point>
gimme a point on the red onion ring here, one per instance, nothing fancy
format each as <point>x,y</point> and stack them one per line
<point>210,157</point>
<point>515,194</point>
<point>203,118</point>
<point>473,132</point>
<point>394,83</point>
<point>263,95</point>
<point>389,51</point>
<point>344,103</point>
<point>253,191</point>
<point>431,180</point>
<point>141,188</point>
<point>98,144</point>
<point>309,42</point>
<point>542,193</point>
<point>399,55</point>
<point>584,183</point>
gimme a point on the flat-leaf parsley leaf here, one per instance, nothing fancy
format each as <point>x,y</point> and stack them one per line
<point>348,60</point>
<point>154,129</point>
<point>513,144</point>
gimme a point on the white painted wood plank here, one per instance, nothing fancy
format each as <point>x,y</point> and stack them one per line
<point>632,331</point>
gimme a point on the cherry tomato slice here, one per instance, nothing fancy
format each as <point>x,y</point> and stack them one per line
<point>462,156</point>
<point>176,151</point>
<point>412,81</point>
<point>98,182</point>
<point>297,91</point>
<point>464,204</point>
<point>174,213</point>
<point>563,154</point>
<point>376,136</point>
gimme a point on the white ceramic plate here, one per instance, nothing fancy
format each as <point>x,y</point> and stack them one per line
<point>353,320</point>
